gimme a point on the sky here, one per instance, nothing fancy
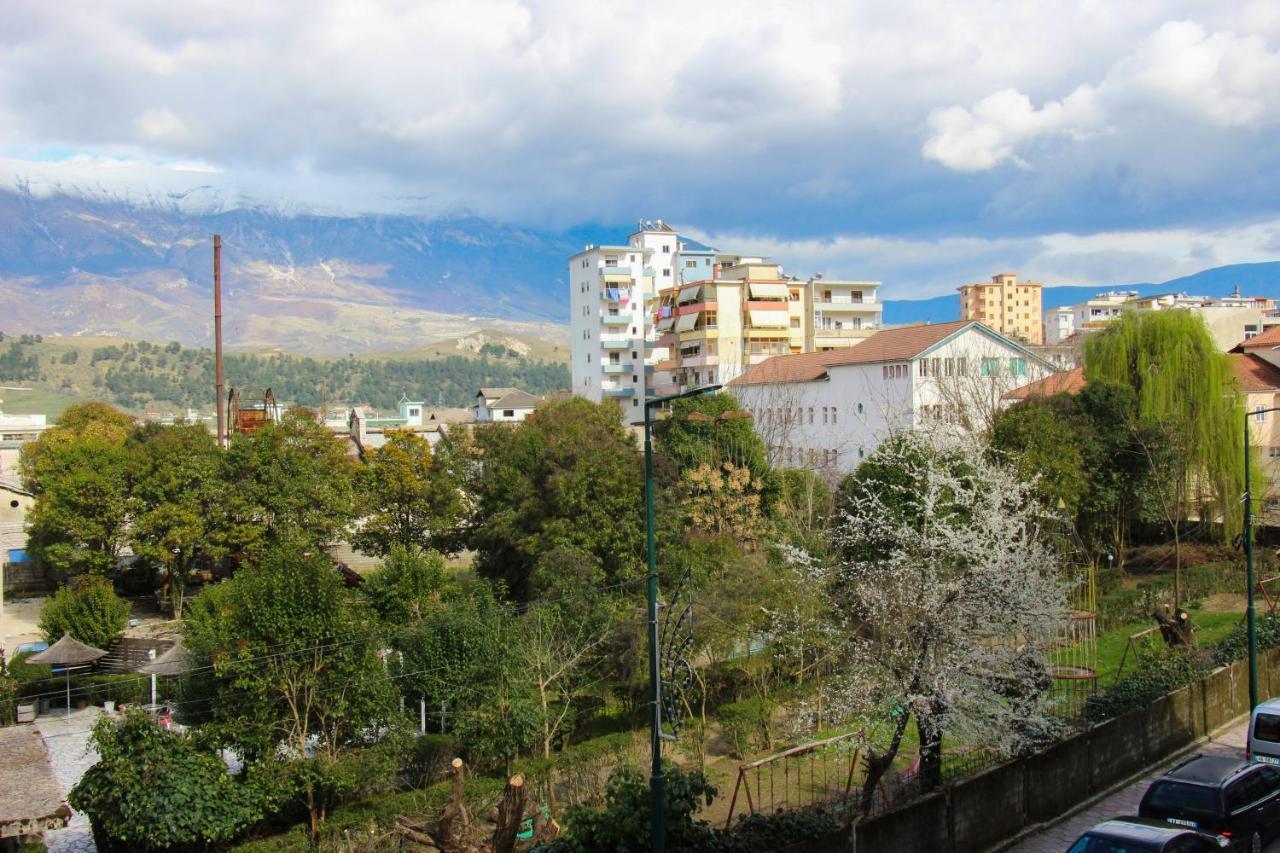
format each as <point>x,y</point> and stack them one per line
<point>922,143</point>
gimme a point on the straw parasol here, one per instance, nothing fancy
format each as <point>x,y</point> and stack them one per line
<point>67,653</point>
<point>175,661</point>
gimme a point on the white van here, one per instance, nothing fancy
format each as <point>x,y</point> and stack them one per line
<point>1264,733</point>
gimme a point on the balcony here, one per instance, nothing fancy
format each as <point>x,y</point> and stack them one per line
<point>615,294</point>
<point>617,319</point>
<point>621,391</point>
<point>623,271</point>
<point>615,369</point>
<point>616,344</point>
<point>648,272</point>
<point>700,361</point>
<point>837,305</point>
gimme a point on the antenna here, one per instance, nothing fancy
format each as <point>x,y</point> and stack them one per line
<point>217,339</point>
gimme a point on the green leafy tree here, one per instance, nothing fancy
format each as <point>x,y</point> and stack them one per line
<point>79,472</point>
<point>293,477</point>
<point>295,669</point>
<point>568,476</point>
<point>1045,439</point>
<point>407,498</point>
<point>407,586</point>
<point>1186,408</point>
<point>177,492</point>
<point>154,790</point>
<point>88,609</point>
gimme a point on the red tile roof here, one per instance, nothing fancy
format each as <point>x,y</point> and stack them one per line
<point>1269,338</point>
<point>888,345</point>
<point>1063,382</point>
<point>1253,374</point>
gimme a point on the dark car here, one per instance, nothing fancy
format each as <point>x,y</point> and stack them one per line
<point>1219,794</point>
<point>1133,834</point>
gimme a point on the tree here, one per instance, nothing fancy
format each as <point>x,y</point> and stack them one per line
<point>949,575</point>
<point>407,497</point>
<point>176,489</point>
<point>1045,439</point>
<point>153,789</point>
<point>79,472</point>
<point>407,587</point>
<point>295,672</point>
<point>568,476</point>
<point>292,477</point>
<point>88,609</point>
<point>1185,405</point>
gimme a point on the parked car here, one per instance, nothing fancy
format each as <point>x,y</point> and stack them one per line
<point>1219,794</point>
<point>1126,834</point>
<point>1264,733</point>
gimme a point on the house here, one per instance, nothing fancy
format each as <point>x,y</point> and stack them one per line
<point>15,500</point>
<point>503,404</point>
<point>15,431</point>
<point>828,410</point>
<point>368,430</point>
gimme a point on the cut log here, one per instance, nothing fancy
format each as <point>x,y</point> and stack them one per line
<point>510,815</point>
<point>453,820</point>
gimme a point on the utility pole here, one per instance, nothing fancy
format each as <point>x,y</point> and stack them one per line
<point>217,340</point>
<point>657,781</point>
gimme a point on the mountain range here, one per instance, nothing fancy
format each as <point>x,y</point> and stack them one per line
<point>96,264</point>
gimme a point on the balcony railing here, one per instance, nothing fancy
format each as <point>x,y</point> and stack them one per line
<point>617,319</point>
<point>622,391</point>
<point>616,344</point>
<point>616,271</point>
<point>618,368</point>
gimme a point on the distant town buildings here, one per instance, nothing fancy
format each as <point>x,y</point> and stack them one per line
<point>1230,319</point>
<point>509,405</point>
<point>1005,305</point>
<point>828,410</point>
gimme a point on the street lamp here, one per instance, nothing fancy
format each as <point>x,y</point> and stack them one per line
<point>656,780</point>
<point>1251,615</point>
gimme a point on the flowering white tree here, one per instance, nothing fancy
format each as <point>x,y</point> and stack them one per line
<point>947,574</point>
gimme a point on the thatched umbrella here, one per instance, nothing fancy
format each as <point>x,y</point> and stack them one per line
<point>173,662</point>
<point>67,653</point>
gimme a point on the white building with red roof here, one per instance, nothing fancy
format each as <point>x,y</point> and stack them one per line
<point>828,410</point>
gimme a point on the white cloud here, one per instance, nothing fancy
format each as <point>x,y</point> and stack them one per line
<point>990,133</point>
<point>1220,78</point>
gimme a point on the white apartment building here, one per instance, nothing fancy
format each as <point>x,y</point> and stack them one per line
<point>1229,319</point>
<point>844,312</point>
<point>828,410</point>
<point>612,292</point>
<point>15,431</point>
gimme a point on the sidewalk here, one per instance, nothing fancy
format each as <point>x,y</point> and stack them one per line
<point>67,739</point>
<point>1059,836</point>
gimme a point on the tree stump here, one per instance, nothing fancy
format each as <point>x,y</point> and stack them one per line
<point>510,815</point>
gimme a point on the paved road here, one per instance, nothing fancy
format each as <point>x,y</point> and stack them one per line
<point>1057,838</point>
<point>67,739</point>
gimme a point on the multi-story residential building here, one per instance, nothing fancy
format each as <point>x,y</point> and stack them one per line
<point>1005,305</point>
<point>612,291</point>
<point>15,431</point>
<point>746,312</point>
<point>844,312</point>
<point>1059,324</point>
<point>1229,319</point>
<point>828,410</point>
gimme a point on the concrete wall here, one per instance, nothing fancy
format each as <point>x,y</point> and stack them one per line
<point>25,577</point>
<point>997,804</point>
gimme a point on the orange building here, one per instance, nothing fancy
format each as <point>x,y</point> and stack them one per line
<point>1006,305</point>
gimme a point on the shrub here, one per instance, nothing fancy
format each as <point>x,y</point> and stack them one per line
<point>88,609</point>
<point>1235,645</point>
<point>1109,581</point>
<point>426,758</point>
<point>747,725</point>
<point>157,790</point>
<point>133,689</point>
<point>1156,675</point>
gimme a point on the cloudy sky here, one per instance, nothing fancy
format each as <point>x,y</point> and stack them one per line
<point>1093,141</point>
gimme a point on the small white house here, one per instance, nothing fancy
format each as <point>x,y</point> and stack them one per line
<point>828,410</point>
<point>503,404</point>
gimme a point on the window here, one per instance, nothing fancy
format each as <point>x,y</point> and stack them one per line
<point>962,366</point>
<point>795,296</point>
<point>666,273</point>
<point>1195,801</point>
<point>924,367</point>
<point>795,322</point>
<point>666,250</point>
<point>1017,367</point>
<point>634,403</point>
<point>991,367</point>
<point>824,414</point>
<point>690,264</point>
<point>949,367</point>
<point>811,414</point>
<point>508,413</point>
<point>709,320</point>
<point>1267,727</point>
<point>833,414</point>
<point>859,408</point>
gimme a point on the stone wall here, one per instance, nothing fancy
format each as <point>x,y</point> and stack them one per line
<point>988,808</point>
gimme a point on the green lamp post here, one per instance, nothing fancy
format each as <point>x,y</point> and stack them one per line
<point>657,782</point>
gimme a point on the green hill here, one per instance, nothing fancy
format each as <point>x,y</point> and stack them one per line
<point>143,376</point>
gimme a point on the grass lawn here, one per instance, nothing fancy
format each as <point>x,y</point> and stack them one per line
<point>1211,629</point>
<point>37,401</point>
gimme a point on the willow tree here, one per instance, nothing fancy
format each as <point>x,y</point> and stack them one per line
<point>1187,403</point>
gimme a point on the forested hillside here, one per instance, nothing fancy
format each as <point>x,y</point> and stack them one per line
<point>145,376</point>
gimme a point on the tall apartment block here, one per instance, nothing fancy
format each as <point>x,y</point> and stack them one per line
<point>1005,305</point>
<point>612,292</point>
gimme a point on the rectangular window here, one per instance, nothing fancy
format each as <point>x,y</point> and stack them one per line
<point>833,414</point>
<point>991,367</point>
<point>690,264</point>
<point>1017,367</point>
<point>795,322</point>
<point>924,367</point>
<point>811,414</point>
